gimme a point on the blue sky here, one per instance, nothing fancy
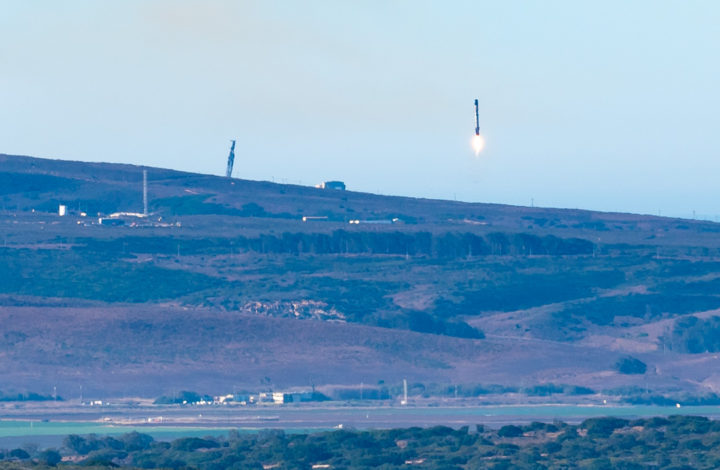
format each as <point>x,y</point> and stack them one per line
<point>607,105</point>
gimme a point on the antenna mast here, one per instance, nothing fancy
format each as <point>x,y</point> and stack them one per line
<point>145,209</point>
<point>231,160</point>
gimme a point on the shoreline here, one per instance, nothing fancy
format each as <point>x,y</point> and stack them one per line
<point>46,429</point>
<point>358,415</point>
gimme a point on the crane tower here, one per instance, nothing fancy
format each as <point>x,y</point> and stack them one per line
<point>231,160</point>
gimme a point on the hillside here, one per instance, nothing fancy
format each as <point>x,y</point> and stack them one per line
<point>225,285</point>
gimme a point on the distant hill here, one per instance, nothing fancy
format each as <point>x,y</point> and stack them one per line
<point>231,282</point>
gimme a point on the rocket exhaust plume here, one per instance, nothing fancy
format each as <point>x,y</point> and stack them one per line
<point>478,143</point>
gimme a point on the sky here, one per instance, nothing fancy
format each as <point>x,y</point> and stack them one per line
<point>602,105</point>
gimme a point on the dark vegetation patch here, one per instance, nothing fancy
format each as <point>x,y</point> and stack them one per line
<point>448,245</point>
<point>198,205</point>
<point>705,288</point>
<point>672,442</point>
<point>521,291</point>
<point>678,268</point>
<point>26,396</point>
<point>694,335</point>
<point>630,365</point>
<point>61,273</point>
<point>604,310</point>
<point>673,400</point>
<point>510,430</point>
<point>11,183</point>
<point>106,203</point>
<point>603,427</point>
<point>423,322</point>
<point>549,389</point>
<point>636,395</point>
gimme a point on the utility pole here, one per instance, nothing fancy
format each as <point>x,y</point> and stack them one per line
<point>145,202</point>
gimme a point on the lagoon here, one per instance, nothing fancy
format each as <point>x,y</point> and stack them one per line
<point>185,422</point>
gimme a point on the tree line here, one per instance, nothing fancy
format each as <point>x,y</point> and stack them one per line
<point>445,245</point>
<point>675,442</point>
<point>449,245</point>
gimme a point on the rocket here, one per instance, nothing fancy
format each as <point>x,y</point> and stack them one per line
<point>477,119</point>
<point>478,143</point>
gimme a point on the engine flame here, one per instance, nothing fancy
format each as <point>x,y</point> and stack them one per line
<point>478,143</point>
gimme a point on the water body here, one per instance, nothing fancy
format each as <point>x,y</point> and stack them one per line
<point>17,432</point>
<point>51,434</point>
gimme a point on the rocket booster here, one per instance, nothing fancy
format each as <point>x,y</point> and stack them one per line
<point>477,141</point>
<point>477,119</point>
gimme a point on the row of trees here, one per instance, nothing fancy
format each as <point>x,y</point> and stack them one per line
<point>678,442</point>
<point>450,245</point>
<point>446,245</point>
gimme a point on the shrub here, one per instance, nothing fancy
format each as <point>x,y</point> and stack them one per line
<point>603,427</point>
<point>49,457</point>
<point>136,441</point>
<point>510,431</point>
<point>189,444</point>
<point>18,454</point>
<point>630,365</point>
